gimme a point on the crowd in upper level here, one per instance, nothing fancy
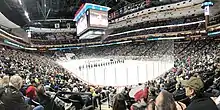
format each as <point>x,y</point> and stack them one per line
<point>135,7</point>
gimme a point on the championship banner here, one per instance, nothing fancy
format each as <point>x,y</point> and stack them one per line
<point>206,10</point>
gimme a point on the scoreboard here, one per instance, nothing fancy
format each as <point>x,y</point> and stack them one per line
<point>98,18</point>
<point>91,20</point>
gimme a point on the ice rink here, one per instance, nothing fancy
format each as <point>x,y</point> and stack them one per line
<point>128,72</point>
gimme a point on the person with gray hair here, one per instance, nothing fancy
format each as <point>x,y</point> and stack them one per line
<point>164,101</point>
<point>16,81</point>
<point>5,81</point>
<point>12,98</point>
<point>1,83</point>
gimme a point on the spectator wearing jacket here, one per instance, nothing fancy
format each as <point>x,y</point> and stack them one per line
<point>112,97</point>
<point>42,98</point>
<point>119,102</point>
<point>194,90</point>
<point>78,98</point>
<point>12,97</point>
<point>141,100</point>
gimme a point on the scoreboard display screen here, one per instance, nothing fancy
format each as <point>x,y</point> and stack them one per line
<point>98,19</point>
<point>91,20</point>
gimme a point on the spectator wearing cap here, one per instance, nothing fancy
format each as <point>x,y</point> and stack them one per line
<point>141,100</point>
<point>194,90</point>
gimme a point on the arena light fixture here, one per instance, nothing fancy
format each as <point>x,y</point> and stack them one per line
<point>171,38</point>
<point>165,38</point>
<point>13,44</point>
<point>30,48</point>
<point>20,2</point>
<point>27,15</point>
<point>213,33</point>
<point>29,34</point>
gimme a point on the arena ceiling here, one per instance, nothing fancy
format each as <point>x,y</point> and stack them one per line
<point>17,10</point>
<point>66,8</point>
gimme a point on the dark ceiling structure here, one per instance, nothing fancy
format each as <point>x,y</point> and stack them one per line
<point>13,12</point>
<point>17,10</point>
<point>65,9</point>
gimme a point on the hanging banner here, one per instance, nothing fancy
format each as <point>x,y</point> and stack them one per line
<point>206,11</point>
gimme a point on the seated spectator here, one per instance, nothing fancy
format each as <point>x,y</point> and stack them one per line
<point>5,81</point>
<point>217,101</point>
<point>194,90</point>
<point>12,97</point>
<point>119,102</point>
<point>31,91</point>
<point>77,98</point>
<point>141,100</point>
<point>112,97</point>
<point>152,93</point>
<point>164,101</point>
<point>23,89</point>
<point>1,85</point>
<point>42,98</point>
<point>179,93</point>
<point>75,89</point>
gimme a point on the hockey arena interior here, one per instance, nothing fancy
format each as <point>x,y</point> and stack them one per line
<point>109,54</point>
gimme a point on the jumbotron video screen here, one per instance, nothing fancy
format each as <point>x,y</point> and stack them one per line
<point>98,18</point>
<point>92,19</point>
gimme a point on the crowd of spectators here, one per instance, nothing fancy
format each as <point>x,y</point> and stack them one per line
<point>53,38</point>
<point>152,32</point>
<point>215,19</point>
<point>195,75</point>
<point>34,81</point>
<point>157,23</point>
<point>146,50</point>
<point>46,85</point>
<point>54,42</point>
<point>189,85</point>
<point>155,27</point>
<point>140,5</point>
